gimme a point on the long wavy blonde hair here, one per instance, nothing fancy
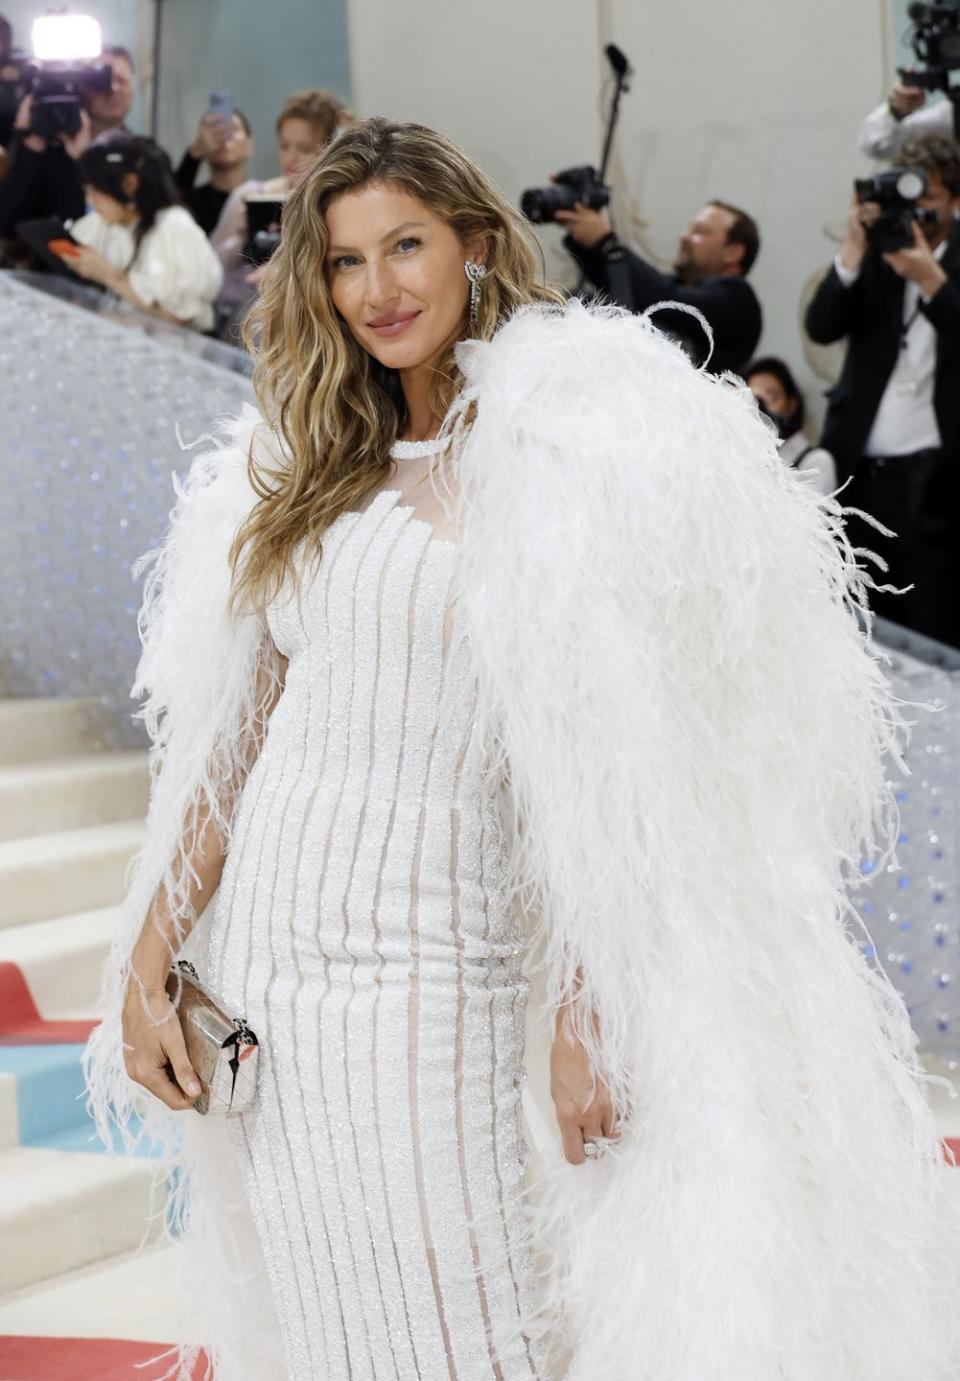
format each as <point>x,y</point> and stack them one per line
<point>337,411</point>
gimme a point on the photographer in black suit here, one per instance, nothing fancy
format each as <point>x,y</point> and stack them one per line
<point>714,256</point>
<point>894,418</point>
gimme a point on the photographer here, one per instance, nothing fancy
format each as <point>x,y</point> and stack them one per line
<point>42,177</point>
<point>226,146</point>
<point>935,39</point>
<point>894,418</point>
<point>904,115</point>
<point>715,254</point>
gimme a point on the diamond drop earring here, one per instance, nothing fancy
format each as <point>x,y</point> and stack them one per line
<point>476,273</point>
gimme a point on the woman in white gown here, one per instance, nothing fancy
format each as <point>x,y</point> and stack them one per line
<point>555,660</point>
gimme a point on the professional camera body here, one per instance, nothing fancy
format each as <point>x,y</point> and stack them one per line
<point>936,42</point>
<point>541,204</point>
<point>896,191</point>
<point>58,89</point>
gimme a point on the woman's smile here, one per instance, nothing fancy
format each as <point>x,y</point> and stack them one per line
<point>393,323</point>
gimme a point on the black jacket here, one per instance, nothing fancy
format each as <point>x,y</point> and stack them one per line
<point>39,184</point>
<point>728,303</point>
<point>204,203</point>
<point>870,314</point>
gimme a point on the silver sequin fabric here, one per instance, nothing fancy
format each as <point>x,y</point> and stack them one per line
<point>361,926</point>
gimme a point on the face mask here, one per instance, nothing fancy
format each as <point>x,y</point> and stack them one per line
<point>785,425</point>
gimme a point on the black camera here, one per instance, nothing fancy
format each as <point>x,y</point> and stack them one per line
<point>57,89</point>
<point>262,246</point>
<point>541,204</point>
<point>896,191</point>
<point>936,41</point>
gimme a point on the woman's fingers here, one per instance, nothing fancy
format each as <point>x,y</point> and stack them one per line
<point>155,1054</point>
<point>573,1143</point>
<point>159,1083</point>
<point>183,1070</point>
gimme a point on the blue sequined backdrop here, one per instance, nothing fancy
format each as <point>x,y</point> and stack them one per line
<point>89,411</point>
<point>88,416</point>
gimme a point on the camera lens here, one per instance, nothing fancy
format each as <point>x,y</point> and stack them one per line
<point>911,185</point>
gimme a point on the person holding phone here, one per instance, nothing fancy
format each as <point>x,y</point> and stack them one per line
<point>224,141</point>
<point>307,122</point>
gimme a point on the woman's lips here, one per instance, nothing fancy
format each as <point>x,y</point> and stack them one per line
<point>395,326</point>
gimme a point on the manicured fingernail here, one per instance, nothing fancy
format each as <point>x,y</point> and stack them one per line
<point>193,1088</point>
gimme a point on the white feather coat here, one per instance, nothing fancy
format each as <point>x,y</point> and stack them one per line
<point>663,625</point>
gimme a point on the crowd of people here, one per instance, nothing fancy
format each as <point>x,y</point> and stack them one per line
<point>174,241</point>
<point>187,243</point>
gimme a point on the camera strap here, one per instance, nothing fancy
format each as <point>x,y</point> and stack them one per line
<point>905,327</point>
<point>618,275</point>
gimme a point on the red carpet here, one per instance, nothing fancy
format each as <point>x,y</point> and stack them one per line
<point>80,1359</point>
<point>22,1024</point>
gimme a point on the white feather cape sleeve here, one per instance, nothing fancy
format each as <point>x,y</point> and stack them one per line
<point>204,680</point>
<point>694,727</point>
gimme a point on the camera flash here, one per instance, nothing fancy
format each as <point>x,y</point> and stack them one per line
<point>66,37</point>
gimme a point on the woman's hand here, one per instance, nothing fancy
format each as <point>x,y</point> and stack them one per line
<point>580,1117</point>
<point>91,264</point>
<point>77,144</point>
<point>153,1047</point>
<point>860,215</point>
<point>24,119</point>
<point>583,224</point>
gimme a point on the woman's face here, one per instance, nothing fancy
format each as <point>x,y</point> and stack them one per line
<point>395,270</point>
<point>771,393</point>
<point>112,211</point>
<point>298,147</point>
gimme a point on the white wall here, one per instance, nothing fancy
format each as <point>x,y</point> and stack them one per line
<point>260,52</point>
<point>758,103</point>
<point>514,82</point>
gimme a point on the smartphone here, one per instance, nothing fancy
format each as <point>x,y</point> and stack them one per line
<point>67,249</point>
<point>221,106</point>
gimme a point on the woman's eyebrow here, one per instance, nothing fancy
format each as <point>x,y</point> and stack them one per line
<point>407,225</point>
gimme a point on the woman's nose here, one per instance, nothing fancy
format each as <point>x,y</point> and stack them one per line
<point>382,286</point>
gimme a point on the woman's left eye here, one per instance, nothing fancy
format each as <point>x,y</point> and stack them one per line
<point>408,242</point>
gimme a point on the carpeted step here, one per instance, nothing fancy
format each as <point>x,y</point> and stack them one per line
<point>49,1091</point>
<point>64,1210</point>
<point>33,730</point>
<point>65,873</point>
<point>61,960</point>
<point>70,793</point>
<point>9,1121</point>
<point>134,1297</point>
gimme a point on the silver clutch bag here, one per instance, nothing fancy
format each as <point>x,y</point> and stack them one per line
<point>223,1050</point>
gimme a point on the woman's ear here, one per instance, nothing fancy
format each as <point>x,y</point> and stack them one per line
<point>129,184</point>
<point>478,248</point>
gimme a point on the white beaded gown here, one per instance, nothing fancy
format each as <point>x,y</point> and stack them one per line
<point>362,928</point>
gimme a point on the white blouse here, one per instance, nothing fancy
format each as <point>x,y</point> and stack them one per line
<point>817,464</point>
<point>175,269</point>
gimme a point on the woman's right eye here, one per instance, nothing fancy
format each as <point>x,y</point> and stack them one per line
<point>343,261</point>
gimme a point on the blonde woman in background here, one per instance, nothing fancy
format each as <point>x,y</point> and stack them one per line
<point>308,120</point>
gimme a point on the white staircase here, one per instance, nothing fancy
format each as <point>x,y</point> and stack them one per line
<point>71,818</point>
